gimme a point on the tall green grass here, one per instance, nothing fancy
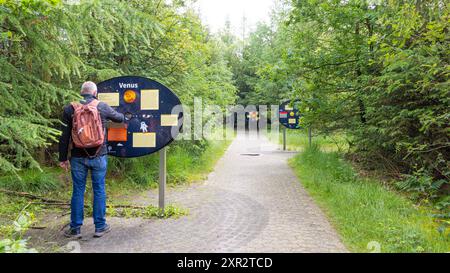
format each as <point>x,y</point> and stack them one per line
<point>366,213</point>
<point>296,140</point>
<point>32,180</point>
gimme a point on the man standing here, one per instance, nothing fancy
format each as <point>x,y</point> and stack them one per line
<point>85,157</point>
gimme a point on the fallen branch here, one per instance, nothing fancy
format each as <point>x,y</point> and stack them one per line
<point>126,206</point>
<point>30,196</point>
<point>36,227</point>
<point>65,213</point>
<point>119,206</point>
<point>52,204</point>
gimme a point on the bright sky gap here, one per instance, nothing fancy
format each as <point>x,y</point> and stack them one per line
<point>215,13</point>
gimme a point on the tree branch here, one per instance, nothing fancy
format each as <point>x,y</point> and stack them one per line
<point>61,203</point>
<point>30,196</point>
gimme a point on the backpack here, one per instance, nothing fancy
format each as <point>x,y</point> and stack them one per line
<point>87,128</point>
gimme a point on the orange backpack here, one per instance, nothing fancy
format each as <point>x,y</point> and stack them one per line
<point>87,128</point>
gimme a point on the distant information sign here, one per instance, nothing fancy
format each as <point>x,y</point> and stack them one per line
<point>154,115</point>
<point>289,114</point>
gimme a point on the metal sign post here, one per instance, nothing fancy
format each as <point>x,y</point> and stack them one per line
<point>284,139</point>
<point>162,178</point>
<point>310,136</point>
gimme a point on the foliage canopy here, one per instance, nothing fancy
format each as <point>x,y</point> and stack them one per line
<point>48,48</point>
<point>376,70</point>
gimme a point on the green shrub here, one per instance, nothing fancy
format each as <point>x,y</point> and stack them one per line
<point>14,241</point>
<point>32,180</point>
<point>421,185</point>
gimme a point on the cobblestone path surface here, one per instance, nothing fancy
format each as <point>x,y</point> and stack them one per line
<point>252,202</point>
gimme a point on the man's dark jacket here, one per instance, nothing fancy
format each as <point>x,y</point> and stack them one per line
<point>106,113</point>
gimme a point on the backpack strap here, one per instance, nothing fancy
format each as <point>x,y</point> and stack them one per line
<point>96,153</point>
<point>94,103</point>
<point>76,105</point>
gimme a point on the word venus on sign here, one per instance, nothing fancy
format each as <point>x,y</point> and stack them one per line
<point>154,115</point>
<point>128,85</point>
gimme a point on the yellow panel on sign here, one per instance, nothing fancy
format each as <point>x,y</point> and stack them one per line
<point>112,99</point>
<point>144,140</point>
<point>150,99</point>
<point>169,120</point>
<point>288,108</point>
<point>292,121</point>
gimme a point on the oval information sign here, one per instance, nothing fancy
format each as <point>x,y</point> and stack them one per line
<point>289,114</point>
<point>154,115</point>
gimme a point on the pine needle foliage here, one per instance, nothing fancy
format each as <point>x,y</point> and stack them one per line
<point>49,47</point>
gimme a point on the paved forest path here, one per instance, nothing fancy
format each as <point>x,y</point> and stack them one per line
<point>248,204</point>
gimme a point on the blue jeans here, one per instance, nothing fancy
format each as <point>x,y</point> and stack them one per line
<point>79,168</point>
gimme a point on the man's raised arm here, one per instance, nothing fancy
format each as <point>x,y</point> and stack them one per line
<point>112,114</point>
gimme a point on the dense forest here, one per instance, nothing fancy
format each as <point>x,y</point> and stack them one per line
<point>47,49</point>
<point>374,71</point>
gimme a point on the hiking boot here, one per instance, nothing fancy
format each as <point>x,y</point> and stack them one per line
<point>102,231</point>
<point>73,233</point>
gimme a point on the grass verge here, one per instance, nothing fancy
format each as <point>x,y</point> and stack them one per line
<point>368,216</point>
<point>296,140</point>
